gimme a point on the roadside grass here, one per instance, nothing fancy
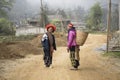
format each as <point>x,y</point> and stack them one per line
<point>112,54</point>
<point>4,39</point>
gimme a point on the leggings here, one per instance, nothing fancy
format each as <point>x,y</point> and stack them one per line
<point>73,57</point>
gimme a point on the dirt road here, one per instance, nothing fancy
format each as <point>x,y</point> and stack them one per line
<point>93,65</point>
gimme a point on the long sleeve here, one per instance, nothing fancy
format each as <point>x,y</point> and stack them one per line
<point>54,43</point>
<point>43,39</point>
<point>70,39</point>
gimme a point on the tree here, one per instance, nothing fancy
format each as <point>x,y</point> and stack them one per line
<point>44,18</point>
<point>62,13</point>
<point>20,11</point>
<point>115,18</point>
<point>94,17</point>
<point>79,13</point>
<point>69,13</point>
<point>4,6</point>
<point>6,27</point>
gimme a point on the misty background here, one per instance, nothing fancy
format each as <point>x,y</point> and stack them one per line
<point>29,8</point>
<point>88,13</point>
<point>26,17</point>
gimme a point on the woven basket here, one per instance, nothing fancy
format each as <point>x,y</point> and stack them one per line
<point>81,37</point>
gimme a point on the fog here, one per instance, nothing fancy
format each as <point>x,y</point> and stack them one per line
<point>86,4</point>
<point>66,3</point>
<point>31,8</point>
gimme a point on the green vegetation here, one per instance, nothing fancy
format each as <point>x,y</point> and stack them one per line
<point>6,27</point>
<point>5,39</point>
<point>44,15</point>
<point>57,23</point>
<point>115,19</point>
<point>94,18</point>
<point>5,5</point>
<point>113,54</point>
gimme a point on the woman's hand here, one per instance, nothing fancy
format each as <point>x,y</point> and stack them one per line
<point>68,50</point>
<point>51,49</point>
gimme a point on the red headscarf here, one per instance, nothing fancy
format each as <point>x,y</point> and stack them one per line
<point>52,26</point>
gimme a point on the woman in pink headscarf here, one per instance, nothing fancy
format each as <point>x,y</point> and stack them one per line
<point>71,45</point>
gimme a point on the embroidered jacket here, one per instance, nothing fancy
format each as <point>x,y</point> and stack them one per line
<point>46,42</point>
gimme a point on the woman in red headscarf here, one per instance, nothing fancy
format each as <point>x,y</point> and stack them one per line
<point>49,45</point>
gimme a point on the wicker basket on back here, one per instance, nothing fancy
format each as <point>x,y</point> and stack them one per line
<point>81,37</point>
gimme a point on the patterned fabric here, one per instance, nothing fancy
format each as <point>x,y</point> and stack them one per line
<point>77,50</point>
<point>73,57</point>
<point>46,42</point>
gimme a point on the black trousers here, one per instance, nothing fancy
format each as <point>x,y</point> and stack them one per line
<point>47,57</point>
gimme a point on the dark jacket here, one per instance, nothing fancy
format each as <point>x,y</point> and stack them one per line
<point>46,43</point>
